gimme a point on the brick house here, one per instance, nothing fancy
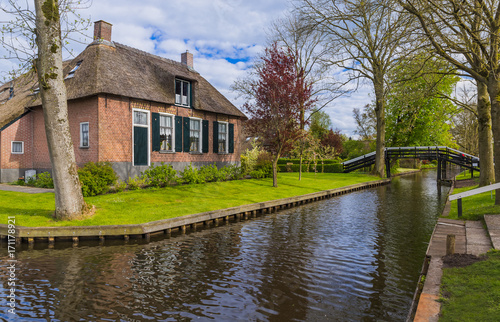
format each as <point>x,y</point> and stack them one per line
<point>125,106</point>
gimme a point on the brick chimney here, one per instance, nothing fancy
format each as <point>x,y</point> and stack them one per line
<point>102,30</point>
<point>187,59</point>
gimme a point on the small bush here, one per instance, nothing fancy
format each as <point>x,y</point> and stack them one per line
<point>257,174</point>
<point>234,172</point>
<point>190,175</point>
<point>120,186</point>
<point>135,183</point>
<point>160,176</point>
<point>96,178</point>
<point>265,164</point>
<point>44,180</point>
<point>210,173</point>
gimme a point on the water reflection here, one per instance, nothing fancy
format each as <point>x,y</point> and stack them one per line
<point>352,258</point>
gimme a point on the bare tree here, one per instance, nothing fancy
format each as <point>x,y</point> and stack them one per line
<point>366,122</point>
<point>466,33</point>
<point>42,49</point>
<point>365,38</point>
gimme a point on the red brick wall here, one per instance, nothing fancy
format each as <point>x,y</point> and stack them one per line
<point>83,110</point>
<point>18,131</point>
<point>115,131</point>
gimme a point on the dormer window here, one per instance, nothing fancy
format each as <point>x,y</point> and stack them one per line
<point>182,93</point>
<point>71,73</point>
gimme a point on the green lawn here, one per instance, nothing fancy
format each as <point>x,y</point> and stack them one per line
<point>474,207</point>
<point>472,293</point>
<point>140,206</point>
<point>465,175</point>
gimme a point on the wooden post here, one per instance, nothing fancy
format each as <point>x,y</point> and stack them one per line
<point>183,229</point>
<point>31,240</point>
<point>450,244</point>
<point>459,205</point>
<point>75,240</point>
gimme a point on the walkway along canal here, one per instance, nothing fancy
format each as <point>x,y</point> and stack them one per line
<point>353,257</point>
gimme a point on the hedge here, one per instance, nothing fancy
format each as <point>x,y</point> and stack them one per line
<point>326,168</point>
<point>297,161</point>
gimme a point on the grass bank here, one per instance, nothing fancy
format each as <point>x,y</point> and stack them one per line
<point>474,207</point>
<point>472,293</point>
<point>141,206</point>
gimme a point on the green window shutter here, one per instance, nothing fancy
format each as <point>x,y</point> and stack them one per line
<point>231,138</point>
<point>178,134</point>
<point>216,137</point>
<point>204,134</point>
<point>155,124</point>
<point>187,141</point>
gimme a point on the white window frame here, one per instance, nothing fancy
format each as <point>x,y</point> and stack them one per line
<point>172,116</point>
<point>200,143</point>
<point>188,97</point>
<point>227,136</point>
<point>81,135</point>
<point>149,134</point>
<point>12,147</point>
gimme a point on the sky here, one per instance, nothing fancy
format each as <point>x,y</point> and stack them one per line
<point>223,35</point>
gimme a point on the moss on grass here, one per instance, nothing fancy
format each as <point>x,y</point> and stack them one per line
<point>135,207</point>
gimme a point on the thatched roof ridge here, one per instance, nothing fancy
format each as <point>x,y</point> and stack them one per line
<point>124,71</point>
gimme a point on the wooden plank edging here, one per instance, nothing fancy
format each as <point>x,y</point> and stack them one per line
<point>26,233</point>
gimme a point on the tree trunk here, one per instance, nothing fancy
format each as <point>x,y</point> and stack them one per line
<point>380,114</point>
<point>300,164</point>
<point>68,194</point>
<point>485,144</point>
<point>275,171</point>
<point>494,91</point>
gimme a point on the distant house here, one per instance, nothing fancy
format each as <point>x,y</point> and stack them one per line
<point>125,106</point>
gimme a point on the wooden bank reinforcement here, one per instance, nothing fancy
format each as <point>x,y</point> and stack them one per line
<point>181,224</point>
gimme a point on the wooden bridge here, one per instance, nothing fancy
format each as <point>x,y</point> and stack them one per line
<point>442,154</point>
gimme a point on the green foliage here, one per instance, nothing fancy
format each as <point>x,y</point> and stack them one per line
<point>44,180</point>
<point>234,172</point>
<point>320,124</point>
<point>325,168</point>
<point>191,175</point>
<point>120,186</point>
<point>249,158</point>
<point>283,161</point>
<point>264,165</point>
<point>160,176</point>
<point>96,178</point>
<point>354,149</point>
<point>135,183</point>
<point>416,115</point>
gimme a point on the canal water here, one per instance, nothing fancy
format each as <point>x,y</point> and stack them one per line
<point>356,257</point>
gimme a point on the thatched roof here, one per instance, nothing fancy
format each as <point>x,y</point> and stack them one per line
<point>120,70</point>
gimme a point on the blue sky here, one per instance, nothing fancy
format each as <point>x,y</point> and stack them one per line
<point>223,35</point>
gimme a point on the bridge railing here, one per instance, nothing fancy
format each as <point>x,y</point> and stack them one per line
<point>469,193</point>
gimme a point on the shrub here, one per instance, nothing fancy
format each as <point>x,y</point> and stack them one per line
<point>190,175</point>
<point>159,176</point>
<point>120,186</point>
<point>209,173</point>
<point>234,172</point>
<point>249,158</point>
<point>257,174</point>
<point>135,183</point>
<point>96,178</point>
<point>44,180</point>
<point>264,164</point>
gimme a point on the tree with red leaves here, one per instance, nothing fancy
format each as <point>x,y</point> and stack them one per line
<point>334,140</point>
<point>279,94</point>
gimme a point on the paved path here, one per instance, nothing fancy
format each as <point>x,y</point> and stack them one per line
<point>493,223</point>
<point>8,187</point>
<point>470,238</point>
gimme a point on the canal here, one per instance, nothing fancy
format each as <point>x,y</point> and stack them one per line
<point>356,257</point>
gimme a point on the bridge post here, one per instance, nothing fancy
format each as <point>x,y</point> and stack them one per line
<point>439,170</point>
<point>388,167</point>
